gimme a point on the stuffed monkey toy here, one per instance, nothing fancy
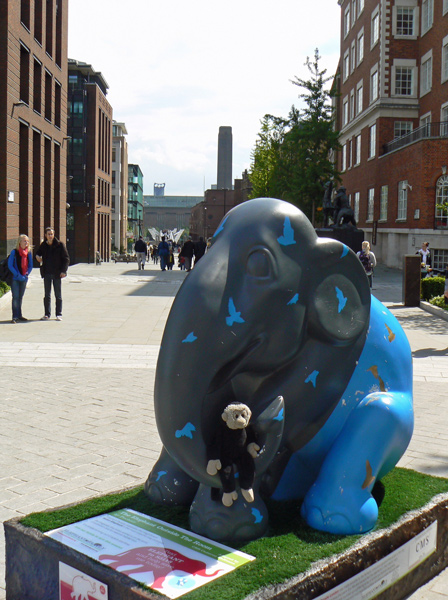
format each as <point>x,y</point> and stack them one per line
<point>234,444</point>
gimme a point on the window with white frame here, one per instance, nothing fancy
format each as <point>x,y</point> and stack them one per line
<point>383,202</point>
<point>350,154</point>
<point>426,120</point>
<point>402,200</point>
<point>402,128</point>
<point>445,59</point>
<point>356,206</point>
<point>405,24</point>
<point>359,98</point>
<point>442,201</point>
<point>439,259</point>
<point>375,27</point>
<point>346,63</point>
<point>352,105</point>
<point>372,141</point>
<point>353,12</point>
<point>360,46</point>
<point>361,6</point>
<point>404,81</point>
<point>357,149</point>
<point>344,158</point>
<point>352,56</point>
<point>445,6</point>
<point>370,204</point>
<point>444,120</point>
<point>345,112</point>
<point>374,84</point>
<point>426,74</point>
<point>427,15</point>
<point>347,21</point>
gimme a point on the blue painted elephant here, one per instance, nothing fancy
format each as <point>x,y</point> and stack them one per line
<point>283,321</point>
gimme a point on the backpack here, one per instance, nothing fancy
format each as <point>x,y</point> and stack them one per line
<point>5,273</point>
<point>365,259</point>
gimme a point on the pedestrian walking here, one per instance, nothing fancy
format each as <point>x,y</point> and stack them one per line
<point>20,263</point>
<point>53,258</point>
<point>141,248</point>
<point>188,252</point>
<point>368,260</point>
<point>199,249</point>
<point>163,251</point>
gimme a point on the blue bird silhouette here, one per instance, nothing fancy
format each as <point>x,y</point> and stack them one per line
<point>293,300</point>
<point>287,239</point>
<point>341,299</point>
<point>344,251</point>
<point>190,338</point>
<point>312,378</point>
<point>257,514</point>
<point>220,228</point>
<point>234,315</point>
<point>187,431</point>
<point>160,474</point>
<point>280,416</point>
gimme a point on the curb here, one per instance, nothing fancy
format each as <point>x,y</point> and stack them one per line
<point>434,310</point>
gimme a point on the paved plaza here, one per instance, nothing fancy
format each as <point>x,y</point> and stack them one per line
<point>77,395</point>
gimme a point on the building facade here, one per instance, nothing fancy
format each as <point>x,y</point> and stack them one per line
<point>33,120</point>
<point>119,207</point>
<point>393,120</point>
<point>135,204</point>
<point>89,164</point>
<point>168,212</point>
<point>225,158</point>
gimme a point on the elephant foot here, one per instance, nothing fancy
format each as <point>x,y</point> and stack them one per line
<point>167,484</point>
<point>228,498</point>
<point>346,512</point>
<point>248,495</point>
<point>236,524</point>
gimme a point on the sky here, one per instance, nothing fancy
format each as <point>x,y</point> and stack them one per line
<point>177,70</point>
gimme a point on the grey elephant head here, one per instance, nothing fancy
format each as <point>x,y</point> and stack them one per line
<point>269,310</point>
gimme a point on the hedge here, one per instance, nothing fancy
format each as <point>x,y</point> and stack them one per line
<point>432,287</point>
<point>4,287</point>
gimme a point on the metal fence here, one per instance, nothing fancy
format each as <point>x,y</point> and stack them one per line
<point>430,130</point>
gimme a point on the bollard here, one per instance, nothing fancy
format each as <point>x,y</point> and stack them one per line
<point>411,279</point>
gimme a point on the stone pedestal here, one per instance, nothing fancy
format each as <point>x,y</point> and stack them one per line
<point>411,279</point>
<point>348,235</point>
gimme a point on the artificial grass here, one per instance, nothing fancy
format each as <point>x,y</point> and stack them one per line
<point>290,546</point>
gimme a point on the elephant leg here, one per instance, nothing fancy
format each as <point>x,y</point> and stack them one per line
<point>168,484</point>
<point>370,444</point>
<point>238,523</point>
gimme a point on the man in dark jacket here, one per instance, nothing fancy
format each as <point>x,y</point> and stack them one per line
<point>187,252</point>
<point>141,249</point>
<point>163,251</point>
<point>53,258</point>
<point>199,249</point>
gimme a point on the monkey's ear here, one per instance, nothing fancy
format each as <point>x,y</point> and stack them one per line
<point>224,416</point>
<point>248,413</point>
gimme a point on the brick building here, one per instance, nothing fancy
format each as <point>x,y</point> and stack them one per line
<point>33,119</point>
<point>393,119</point>
<point>89,164</point>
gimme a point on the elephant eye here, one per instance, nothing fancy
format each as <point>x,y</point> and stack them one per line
<point>259,264</point>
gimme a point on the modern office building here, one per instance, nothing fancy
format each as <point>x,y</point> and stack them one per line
<point>119,208</point>
<point>225,151</point>
<point>33,119</point>
<point>135,204</point>
<point>393,119</point>
<point>89,164</point>
<point>168,212</point>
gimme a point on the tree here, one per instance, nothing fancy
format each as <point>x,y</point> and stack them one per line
<point>294,157</point>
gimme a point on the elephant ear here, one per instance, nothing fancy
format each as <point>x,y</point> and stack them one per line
<point>339,306</point>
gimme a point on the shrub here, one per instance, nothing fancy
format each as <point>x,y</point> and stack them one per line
<point>431,287</point>
<point>4,287</point>
<point>439,301</point>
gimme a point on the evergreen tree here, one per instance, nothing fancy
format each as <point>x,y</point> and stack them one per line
<point>294,157</point>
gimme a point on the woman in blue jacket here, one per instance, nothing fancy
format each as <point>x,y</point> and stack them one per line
<point>20,263</point>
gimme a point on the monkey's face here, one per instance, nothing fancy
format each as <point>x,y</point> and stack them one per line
<point>236,416</point>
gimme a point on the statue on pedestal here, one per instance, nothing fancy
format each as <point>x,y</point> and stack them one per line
<point>343,213</point>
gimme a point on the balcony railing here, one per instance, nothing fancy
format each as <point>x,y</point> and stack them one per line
<point>431,130</point>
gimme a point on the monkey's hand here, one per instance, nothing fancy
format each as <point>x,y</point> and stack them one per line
<point>213,466</point>
<point>253,449</point>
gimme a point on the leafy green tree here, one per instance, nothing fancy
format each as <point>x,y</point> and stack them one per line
<point>295,156</point>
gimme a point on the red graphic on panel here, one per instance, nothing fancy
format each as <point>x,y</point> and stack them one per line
<point>160,561</point>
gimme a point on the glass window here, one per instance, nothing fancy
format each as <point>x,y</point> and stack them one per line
<point>359,100</point>
<point>356,206</point>
<point>374,86</point>
<point>352,57</point>
<point>370,204</point>
<point>375,28</point>
<point>358,149</point>
<point>372,141</point>
<point>383,202</point>
<point>360,47</point>
<point>405,21</point>
<point>345,112</point>
<point>361,6</point>
<point>402,128</point>
<point>439,259</point>
<point>445,60</point>
<point>403,81</point>
<point>444,120</point>
<point>426,76</point>
<point>346,65</point>
<point>402,200</point>
<point>442,202</point>
<point>427,15</point>
<point>347,20</point>
<point>352,105</point>
<point>353,12</point>
<point>344,157</point>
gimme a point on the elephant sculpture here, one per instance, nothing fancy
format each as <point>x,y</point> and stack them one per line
<point>283,321</point>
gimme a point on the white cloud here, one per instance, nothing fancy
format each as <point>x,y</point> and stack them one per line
<point>179,70</point>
